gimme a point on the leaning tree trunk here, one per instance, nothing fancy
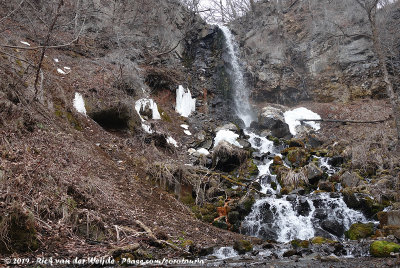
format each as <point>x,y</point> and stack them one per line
<point>393,97</point>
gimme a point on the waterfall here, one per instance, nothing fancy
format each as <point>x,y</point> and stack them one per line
<point>240,90</point>
<point>287,217</point>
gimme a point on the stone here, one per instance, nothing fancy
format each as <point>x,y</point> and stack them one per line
<point>360,230</point>
<point>314,173</point>
<point>350,179</point>
<point>383,249</point>
<point>242,246</point>
<point>333,227</point>
<point>229,126</point>
<point>298,157</point>
<point>227,157</point>
<point>289,253</point>
<point>393,217</point>
<point>271,118</point>
<point>326,186</point>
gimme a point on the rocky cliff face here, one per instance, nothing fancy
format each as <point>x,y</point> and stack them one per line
<point>310,50</point>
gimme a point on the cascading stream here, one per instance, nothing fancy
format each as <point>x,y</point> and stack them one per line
<point>240,90</point>
<point>288,217</point>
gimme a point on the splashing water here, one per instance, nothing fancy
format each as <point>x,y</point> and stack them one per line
<point>240,90</point>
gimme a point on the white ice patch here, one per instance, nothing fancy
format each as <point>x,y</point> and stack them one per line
<point>147,128</point>
<point>187,132</point>
<point>171,140</point>
<point>56,60</point>
<point>203,151</point>
<point>184,126</point>
<point>292,118</point>
<point>185,105</point>
<point>25,43</point>
<point>60,71</point>
<point>79,103</point>
<point>228,136</point>
<point>67,68</point>
<point>142,103</point>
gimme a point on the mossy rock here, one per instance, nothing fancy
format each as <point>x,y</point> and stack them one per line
<point>242,246</point>
<point>298,157</point>
<point>18,229</point>
<point>278,160</point>
<point>300,243</point>
<point>233,217</point>
<point>164,116</point>
<point>221,223</point>
<point>383,248</point>
<point>296,143</point>
<point>318,240</point>
<point>360,230</point>
<point>275,140</point>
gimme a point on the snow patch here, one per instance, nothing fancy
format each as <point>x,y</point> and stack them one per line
<point>60,71</point>
<point>79,103</point>
<point>56,60</point>
<point>67,68</point>
<point>147,128</point>
<point>184,126</point>
<point>185,105</point>
<point>25,43</point>
<point>203,151</point>
<point>171,140</point>
<point>143,103</point>
<point>228,136</point>
<point>187,132</point>
<point>292,118</point>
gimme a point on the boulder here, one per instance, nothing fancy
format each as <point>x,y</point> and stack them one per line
<point>314,173</point>
<point>242,246</point>
<point>326,186</point>
<point>350,179</point>
<point>271,118</point>
<point>360,230</point>
<point>229,126</point>
<point>333,227</point>
<point>383,248</point>
<point>227,157</point>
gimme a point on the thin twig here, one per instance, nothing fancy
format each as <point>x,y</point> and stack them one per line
<point>343,121</point>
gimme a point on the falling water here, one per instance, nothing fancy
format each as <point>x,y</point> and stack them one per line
<point>240,90</point>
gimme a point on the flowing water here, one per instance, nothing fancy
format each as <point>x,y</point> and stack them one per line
<point>287,217</point>
<point>240,90</point>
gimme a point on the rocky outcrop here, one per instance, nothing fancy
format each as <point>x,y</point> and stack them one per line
<point>320,50</point>
<point>271,118</point>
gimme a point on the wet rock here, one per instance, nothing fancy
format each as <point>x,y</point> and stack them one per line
<point>271,118</point>
<point>350,179</point>
<point>333,227</point>
<point>245,144</point>
<point>383,248</point>
<point>336,161</point>
<point>326,186</point>
<point>229,126</point>
<point>318,240</point>
<point>362,202</point>
<point>289,253</point>
<point>331,258</point>
<point>360,230</point>
<point>314,173</point>
<point>303,208</point>
<point>242,246</point>
<point>300,243</point>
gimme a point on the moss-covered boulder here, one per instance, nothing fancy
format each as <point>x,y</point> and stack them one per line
<point>220,223</point>
<point>383,248</point>
<point>360,230</point>
<point>298,157</point>
<point>300,243</point>
<point>318,240</point>
<point>242,246</point>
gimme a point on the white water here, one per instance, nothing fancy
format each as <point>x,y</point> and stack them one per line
<point>225,253</point>
<point>240,90</point>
